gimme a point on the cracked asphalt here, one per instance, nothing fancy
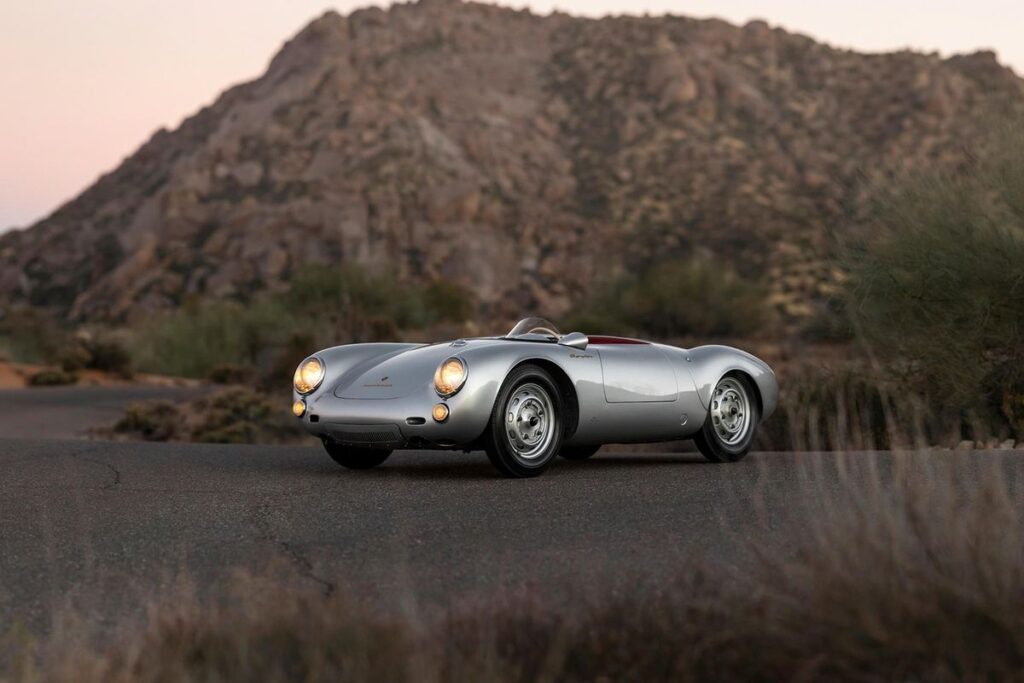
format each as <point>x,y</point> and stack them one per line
<point>99,525</point>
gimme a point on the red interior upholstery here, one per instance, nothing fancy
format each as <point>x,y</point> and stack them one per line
<point>614,340</point>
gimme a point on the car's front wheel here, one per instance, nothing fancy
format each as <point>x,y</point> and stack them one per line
<point>356,458</point>
<point>525,432</point>
<point>732,420</point>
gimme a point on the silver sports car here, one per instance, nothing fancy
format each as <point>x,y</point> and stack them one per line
<point>530,395</point>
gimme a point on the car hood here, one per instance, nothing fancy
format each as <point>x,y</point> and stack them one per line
<point>396,374</point>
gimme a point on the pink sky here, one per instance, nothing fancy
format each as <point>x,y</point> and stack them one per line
<point>85,83</point>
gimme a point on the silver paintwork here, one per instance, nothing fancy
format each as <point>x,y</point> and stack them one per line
<point>616,393</point>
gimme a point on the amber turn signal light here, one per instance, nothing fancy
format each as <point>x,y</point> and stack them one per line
<point>440,412</point>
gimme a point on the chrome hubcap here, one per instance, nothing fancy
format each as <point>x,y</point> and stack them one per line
<point>529,421</point>
<point>730,411</point>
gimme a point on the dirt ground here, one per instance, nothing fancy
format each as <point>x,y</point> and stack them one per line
<point>15,376</point>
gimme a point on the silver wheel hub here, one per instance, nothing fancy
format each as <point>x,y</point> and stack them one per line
<point>529,421</point>
<point>730,411</point>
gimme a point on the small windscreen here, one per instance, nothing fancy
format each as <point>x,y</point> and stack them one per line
<point>534,325</point>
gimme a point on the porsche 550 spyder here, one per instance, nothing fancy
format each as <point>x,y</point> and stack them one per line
<point>529,396</point>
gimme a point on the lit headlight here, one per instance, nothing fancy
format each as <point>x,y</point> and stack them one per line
<point>449,377</point>
<point>308,375</point>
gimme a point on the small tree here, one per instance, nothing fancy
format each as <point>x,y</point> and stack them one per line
<point>696,296</point>
<point>936,285</point>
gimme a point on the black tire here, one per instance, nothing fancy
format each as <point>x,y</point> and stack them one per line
<point>530,402</point>
<point>579,452</point>
<point>732,420</point>
<point>356,458</point>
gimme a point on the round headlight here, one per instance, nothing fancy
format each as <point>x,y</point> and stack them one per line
<point>449,377</point>
<point>308,375</point>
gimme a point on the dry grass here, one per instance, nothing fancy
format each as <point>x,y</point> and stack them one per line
<point>905,569</point>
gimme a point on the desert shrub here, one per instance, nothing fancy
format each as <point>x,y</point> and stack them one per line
<point>31,335</point>
<point>359,305</point>
<point>150,421</point>
<point>229,373</point>
<point>698,296</point>
<point>447,302</point>
<point>829,323</point>
<point>51,377</point>
<point>854,406</point>
<point>936,285</point>
<point>241,416</point>
<point>193,340</point>
<point>96,349</point>
<point>235,415</point>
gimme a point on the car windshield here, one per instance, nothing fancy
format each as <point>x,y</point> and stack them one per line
<point>534,325</point>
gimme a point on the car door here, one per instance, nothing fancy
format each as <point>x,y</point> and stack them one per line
<point>636,373</point>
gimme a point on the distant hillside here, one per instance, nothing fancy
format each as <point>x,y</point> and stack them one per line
<point>527,157</point>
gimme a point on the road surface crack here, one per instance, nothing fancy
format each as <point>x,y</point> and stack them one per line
<point>301,563</point>
<point>116,481</point>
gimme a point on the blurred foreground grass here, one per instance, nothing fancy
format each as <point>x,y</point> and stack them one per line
<point>907,570</point>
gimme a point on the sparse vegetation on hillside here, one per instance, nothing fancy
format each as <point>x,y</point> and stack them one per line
<point>396,141</point>
<point>272,333</point>
<point>699,296</point>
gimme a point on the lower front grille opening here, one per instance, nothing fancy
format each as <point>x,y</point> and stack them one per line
<point>415,420</point>
<point>314,418</point>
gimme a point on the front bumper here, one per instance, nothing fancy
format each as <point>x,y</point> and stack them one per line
<point>395,423</point>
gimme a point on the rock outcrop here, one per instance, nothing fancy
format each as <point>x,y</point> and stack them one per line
<point>526,157</point>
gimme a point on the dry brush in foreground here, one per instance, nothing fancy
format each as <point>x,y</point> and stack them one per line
<point>894,579</point>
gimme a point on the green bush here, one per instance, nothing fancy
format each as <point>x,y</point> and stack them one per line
<point>936,285</point>
<point>697,296</point>
<point>447,301</point>
<point>364,306</point>
<point>201,336</point>
<point>273,332</point>
<point>51,377</point>
<point>31,335</point>
<point>102,350</point>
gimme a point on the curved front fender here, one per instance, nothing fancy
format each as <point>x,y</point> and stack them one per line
<point>342,361</point>
<point>708,364</point>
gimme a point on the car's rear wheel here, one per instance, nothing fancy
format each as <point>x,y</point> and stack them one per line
<point>732,420</point>
<point>356,458</point>
<point>525,432</point>
<point>579,452</point>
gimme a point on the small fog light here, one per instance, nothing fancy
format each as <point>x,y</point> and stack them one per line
<point>440,412</point>
<point>299,408</point>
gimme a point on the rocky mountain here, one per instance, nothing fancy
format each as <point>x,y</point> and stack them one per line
<point>527,157</point>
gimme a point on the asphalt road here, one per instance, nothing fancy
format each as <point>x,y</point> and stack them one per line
<point>69,412</point>
<point>101,523</point>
